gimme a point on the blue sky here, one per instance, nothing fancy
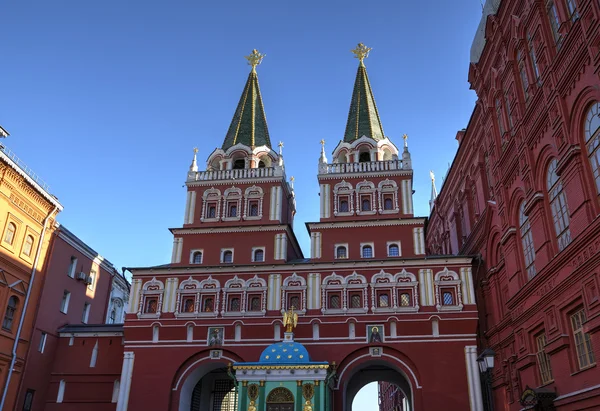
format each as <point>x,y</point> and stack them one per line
<point>106,99</point>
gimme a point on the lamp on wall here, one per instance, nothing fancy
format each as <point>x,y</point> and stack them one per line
<point>486,366</point>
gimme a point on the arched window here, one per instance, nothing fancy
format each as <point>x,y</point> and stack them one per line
<point>527,242</point>
<point>239,164</point>
<point>261,164</point>
<point>558,207</point>
<point>341,252</point>
<point>364,157</point>
<point>259,255</point>
<point>499,116</point>
<point>113,316</point>
<point>592,140</point>
<point>334,301</point>
<point>355,301</point>
<point>9,315</point>
<point>343,205</point>
<point>28,246</point>
<point>197,257</point>
<point>228,256</point>
<point>367,251</point>
<point>554,22</point>
<point>365,204</point>
<point>9,237</point>
<point>393,250</point>
<point>523,75</point>
<point>234,304</point>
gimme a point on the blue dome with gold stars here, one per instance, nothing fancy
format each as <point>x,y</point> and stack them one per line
<point>286,352</point>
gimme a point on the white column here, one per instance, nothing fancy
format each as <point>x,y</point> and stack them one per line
<point>126,374</point>
<point>186,214</point>
<point>473,378</point>
<point>192,208</point>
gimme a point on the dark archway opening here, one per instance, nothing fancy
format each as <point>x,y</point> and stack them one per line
<point>364,157</point>
<point>214,392</point>
<point>239,164</point>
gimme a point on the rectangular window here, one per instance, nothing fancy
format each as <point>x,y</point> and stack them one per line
<point>583,344</point>
<point>573,14</point>
<point>448,297</point>
<point>28,403</point>
<point>72,267</point>
<point>344,204</point>
<point>253,208</point>
<point>232,209</point>
<point>86,313</point>
<point>534,62</point>
<point>42,345</point>
<point>554,22</point>
<point>543,359</point>
<point>92,280</point>
<point>211,211</point>
<point>64,305</point>
<point>508,111</point>
<point>523,75</point>
<point>499,117</point>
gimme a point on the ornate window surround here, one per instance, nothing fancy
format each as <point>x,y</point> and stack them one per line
<point>232,194</point>
<point>448,279</point>
<point>187,288</point>
<point>370,244</point>
<point>209,286</point>
<point>333,283</point>
<point>294,283</point>
<point>383,281</point>
<point>257,285</point>
<point>235,286</point>
<point>209,196</point>
<point>194,251</point>
<point>387,186</point>
<point>406,281</point>
<point>223,251</point>
<point>342,189</point>
<point>253,193</point>
<point>152,288</point>
<point>365,188</point>
<point>254,250</point>
<point>335,251</point>
<point>396,243</point>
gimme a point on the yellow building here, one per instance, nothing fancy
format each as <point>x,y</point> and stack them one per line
<point>27,216</point>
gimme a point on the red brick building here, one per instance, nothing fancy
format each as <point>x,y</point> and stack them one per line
<point>371,304</point>
<point>390,397</point>
<point>522,193</point>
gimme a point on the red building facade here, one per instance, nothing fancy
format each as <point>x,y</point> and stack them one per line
<point>371,304</point>
<point>390,397</point>
<point>522,193</point>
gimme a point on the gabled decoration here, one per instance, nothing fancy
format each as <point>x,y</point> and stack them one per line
<point>249,123</point>
<point>363,118</point>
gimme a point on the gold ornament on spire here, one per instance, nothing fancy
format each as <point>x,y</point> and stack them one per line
<point>405,137</point>
<point>361,52</point>
<point>290,319</point>
<point>255,58</point>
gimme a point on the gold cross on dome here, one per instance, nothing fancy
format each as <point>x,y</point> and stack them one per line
<point>195,150</point>
<point>255,58</point>
<point>361,52</point>
<point>405,137</point>
<point>280,145</point>
<point>322,142</point>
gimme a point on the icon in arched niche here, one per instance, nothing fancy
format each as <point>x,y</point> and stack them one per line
<point>375,333</point>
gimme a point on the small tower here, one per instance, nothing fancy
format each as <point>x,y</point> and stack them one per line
<point>242,191</point>
<point>433,191</point>
<point>367,184</point>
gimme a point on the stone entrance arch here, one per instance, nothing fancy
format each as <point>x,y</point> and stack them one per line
<point>372,371</point>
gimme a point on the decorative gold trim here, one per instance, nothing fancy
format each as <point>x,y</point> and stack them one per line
<point>281,367</point>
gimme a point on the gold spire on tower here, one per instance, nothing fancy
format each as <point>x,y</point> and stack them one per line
<point>361,52</point>
<point>254,59</point>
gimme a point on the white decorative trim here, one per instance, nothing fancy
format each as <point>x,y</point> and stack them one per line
<point>365,188</point>
<point>384,187</point>
<point>194,251</point>
<point>448,279</point>
<point>254,249</point>
<point>473,381</point>
<point>398,244</point>
<point>335,251</point>
<point>294,284</point>
<point>372,245</point>
<point>253,193</point>
<point>354,224</point>
<point>232,194</point>
<point>212,195</point>
<point>343,189</point>
<point>152,288</point>
<point>223,251</point>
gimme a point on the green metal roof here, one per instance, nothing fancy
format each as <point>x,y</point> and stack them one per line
<point>249,124</point>
<point>363,118</point>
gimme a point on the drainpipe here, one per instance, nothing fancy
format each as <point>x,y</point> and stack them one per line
<point>24,310</point>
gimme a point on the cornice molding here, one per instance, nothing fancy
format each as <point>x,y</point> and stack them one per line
<point>369,223</point>
<point>237,229</point>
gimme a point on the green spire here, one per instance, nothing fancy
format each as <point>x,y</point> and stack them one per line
<point>249,124</point>
<point>363,118</point>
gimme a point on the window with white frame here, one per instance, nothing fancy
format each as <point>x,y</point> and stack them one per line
<point>151,299</point>
<point>341,251</point>
<point>523,75</point>
<point>9,235</point>
<point>554,22</point>
<point>356,293</point>
<point>543,359</point>
<point>393,249</point>
<point>583,342</point>
<point>258,254</point>
<point>234,293</point>
<point>448,296</point>
<point>92,280</point>
<point>207,297</point>
<point>534,60</point>
<point>527,242</point>
<point>196,256</point>
<point>406,291</point>
<point>232,204</point>
<point>343,195</point>
<point>382,292</point>
<point>72,267</point>
<point>211,201</point>
<point>256,296</point>
<point>227,255</point>
<point>365,198</point>
<point>367,250</point>
<point>85,315</point>
<point>293,293</point>
<point>188,298</point>
<point>64,304</point>
<point>28,246</point>
<point>558,207</point>
<point>592,140</point>
<point>387,192</point>
<point>333,293</point>
<point>253,200</point>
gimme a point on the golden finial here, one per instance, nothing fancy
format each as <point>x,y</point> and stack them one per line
<point>254,59</point>
<point>361,52</point>
<point>432,176</point>
<point>195,150</point>
<point>322,142</point>
<point>280,145</point>
<point>405,137</point>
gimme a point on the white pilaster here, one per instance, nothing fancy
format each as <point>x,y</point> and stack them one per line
<point>325,201</point>
<point>473,379</point>
<point>192,208</point>
<point>468,292</point>
<point>186,214</point>
<point>126,375</point>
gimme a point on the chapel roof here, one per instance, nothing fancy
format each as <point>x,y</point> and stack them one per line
<point>286,352</point>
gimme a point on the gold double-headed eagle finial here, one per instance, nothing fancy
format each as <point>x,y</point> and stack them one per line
<point>361,52</point>
<point>255,58</point>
